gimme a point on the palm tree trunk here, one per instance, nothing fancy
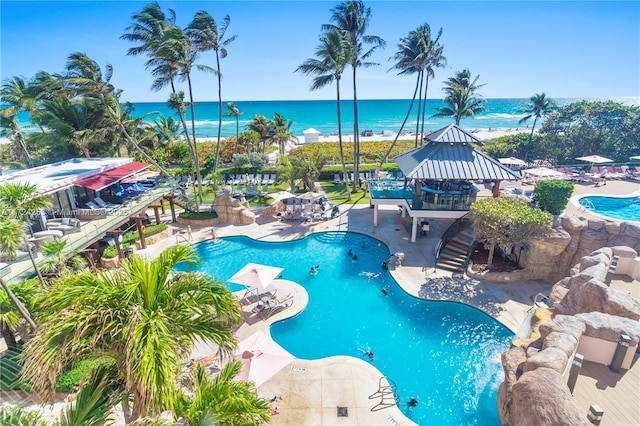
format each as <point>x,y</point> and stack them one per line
<point>418,134</point>
<point>424,107</point>
<point>356,135</point>
<point>34,263</point>
<point>406,117</point>
<point>215,164</point>
<point>237,135</point>
<point>526,152</point>
<point>196,158</point>
<point>24,313</point>
<point>9,336</point>
<point>345,176</point>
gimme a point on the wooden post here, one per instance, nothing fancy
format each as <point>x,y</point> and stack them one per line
<point>116,237</point>
<point>173,209</point>
<point>157,213</point>
<point>139,227</point>
<point>496,189</point>
<point>162,205</point>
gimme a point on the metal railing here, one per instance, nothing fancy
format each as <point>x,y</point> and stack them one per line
<point>456,227</point>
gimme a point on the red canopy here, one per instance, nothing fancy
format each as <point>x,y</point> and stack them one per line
<point>109,177</point>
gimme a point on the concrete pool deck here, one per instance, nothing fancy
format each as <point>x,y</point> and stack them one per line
<point>311,390</point>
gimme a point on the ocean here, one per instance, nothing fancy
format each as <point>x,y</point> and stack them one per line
<point>376,115</point>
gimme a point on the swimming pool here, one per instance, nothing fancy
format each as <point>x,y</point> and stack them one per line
<point>619,208</point>
<point>445,354</point>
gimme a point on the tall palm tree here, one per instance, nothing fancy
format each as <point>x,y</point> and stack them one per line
<point>261,125</point>
<point>85,74</point>
<point>435,60</point>
<point>352,20</point>
<point>166,130</point>
<point>235,112</point>
<point>332,57</point>
<point>144,317</point>
<point>417,54</point>
<point>222,400</point>
<point>280,131</point>
<point>539,106</point>
<point>207,35</point>
<point>461,96</point>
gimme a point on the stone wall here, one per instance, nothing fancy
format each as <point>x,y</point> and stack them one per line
<point>572,238</point>
<point>233,212</point>
<point>534,390</point>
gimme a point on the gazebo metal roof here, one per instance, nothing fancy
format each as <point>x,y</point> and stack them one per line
<point>448,155</point>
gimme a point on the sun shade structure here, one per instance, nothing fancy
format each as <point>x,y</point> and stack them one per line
<point>109,177</point>
<point>542,172</point>
<point>595,159</point>
<point>281,195</point>
<point>449,155</point>
<point>311,196</point>
<point>256,275</point>
<point>512,161</point>
<point>261,358</point>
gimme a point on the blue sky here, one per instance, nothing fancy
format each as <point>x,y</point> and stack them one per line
<point>566,49</point>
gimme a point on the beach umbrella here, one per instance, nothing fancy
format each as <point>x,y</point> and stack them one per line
<point>543,172</point>
<point>281,195</point>
<point>512,161</point>
<point>635,157</point>
<point>256,275</point>
<point>594,159</point>
<point>312,196</point>
<point>261,358</point>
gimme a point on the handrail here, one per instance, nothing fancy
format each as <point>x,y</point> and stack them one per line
<point>456,227</point>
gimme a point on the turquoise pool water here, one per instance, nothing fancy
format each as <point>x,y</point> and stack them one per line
<point>445,354</point>
<point>620,208</point>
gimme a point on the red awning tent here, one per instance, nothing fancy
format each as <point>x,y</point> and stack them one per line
<point>109,177</point>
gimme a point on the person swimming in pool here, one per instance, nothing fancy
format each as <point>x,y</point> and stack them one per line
<point>368,353</point>
<point>313,271</point>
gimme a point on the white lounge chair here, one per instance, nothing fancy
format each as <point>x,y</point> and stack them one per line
<point>336,178</point>
<point>277,305</point>
<point>100,202</point>
<point>259,293</point>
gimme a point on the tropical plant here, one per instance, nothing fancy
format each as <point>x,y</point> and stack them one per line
<point>287,172</point>
<point>351,20</point>
<point>166,130</point>
<point>85,75</point>
<point>60,259</point>
<point>261,125</point>
<point>222,400</point>
<point>417,54</point>
<point>236,113</point>
<point>332,57</point>
<point>145,317</point>
<point>9,319</point>
<point>280,131</point>
<point>507,222</point>
<point>553,195</point>
<point>539,106</point>
<point>461,97</point>
<point>207,35</point>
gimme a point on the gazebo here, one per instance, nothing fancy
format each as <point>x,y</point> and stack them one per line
<point>439,177</point>
<point>311,135</point>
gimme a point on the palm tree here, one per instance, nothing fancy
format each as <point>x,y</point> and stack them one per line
<point>144,317</point>
<point>417,54</point>
<point>461,96</point>
<point>261,125</point>
<point>332,57</point>
<point>220,399</point>
<point>235,112</point>
<point>280,131</point>
<point>351,20</point>
<point>539,106</point>
<point>60,258</point>
<point>166,130</point>
<point>85,74</point>
<point>22,200</point>
<point>207,35</point>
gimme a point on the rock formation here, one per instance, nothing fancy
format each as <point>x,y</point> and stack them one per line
<point>571,239</point>
<point>232,211</point>
<point>534,390</point>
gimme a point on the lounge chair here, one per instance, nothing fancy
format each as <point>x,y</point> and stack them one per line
<point>259,293</point>
<point>336,178</point>
<point>278,304</point>
<point>92,205</point>
<point>103,204</point>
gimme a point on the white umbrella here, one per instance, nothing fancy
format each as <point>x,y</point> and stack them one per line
<point>542,172</point>
<point>512,161</point>
<point>281,195</point>
<point>256,275</point>
<point>311,196</point>
<point>261,358</point>
<point>594,159</point>
<point>635,157</point>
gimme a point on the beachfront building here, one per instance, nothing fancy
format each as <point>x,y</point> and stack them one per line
<point>91,198</point>
<point>438,179</point>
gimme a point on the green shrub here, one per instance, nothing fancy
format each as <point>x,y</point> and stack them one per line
<point>553,195</point>
<point>70,380</point>
<point>132,236</point>
<point>198,216</point>
<point>110,252</point>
